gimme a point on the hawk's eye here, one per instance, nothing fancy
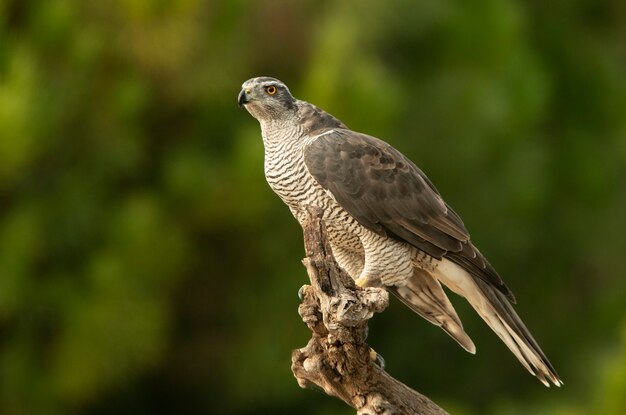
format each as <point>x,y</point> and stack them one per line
<point>271,89</point>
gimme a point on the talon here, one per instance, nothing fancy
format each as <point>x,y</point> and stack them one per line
<point>301,292</point>
<point>380,361</point>
<point>377,359</point>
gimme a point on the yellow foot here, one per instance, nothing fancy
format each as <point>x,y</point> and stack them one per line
<point>361,282</point>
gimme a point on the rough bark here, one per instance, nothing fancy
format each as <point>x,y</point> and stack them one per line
<point>337,359</point>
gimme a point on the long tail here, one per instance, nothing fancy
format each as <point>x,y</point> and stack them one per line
<point>424,295</point>
<point>493,306</point>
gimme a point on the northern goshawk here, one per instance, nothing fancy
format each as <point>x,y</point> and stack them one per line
<point>387,223</point>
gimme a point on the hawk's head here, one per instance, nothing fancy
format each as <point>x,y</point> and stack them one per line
<point>266,98</point>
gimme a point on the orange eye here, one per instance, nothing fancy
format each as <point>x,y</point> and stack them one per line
<point>271,89</point>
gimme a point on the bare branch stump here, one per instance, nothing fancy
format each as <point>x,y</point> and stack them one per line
<point>337,359</point>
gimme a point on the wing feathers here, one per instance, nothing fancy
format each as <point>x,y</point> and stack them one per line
<point>388,194</point>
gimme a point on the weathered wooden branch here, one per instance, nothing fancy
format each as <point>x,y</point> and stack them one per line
<point>337,359</point>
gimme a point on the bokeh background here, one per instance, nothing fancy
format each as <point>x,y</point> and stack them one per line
<point>147,268</point>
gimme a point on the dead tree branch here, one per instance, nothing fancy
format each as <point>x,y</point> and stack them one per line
<point>337,359</point>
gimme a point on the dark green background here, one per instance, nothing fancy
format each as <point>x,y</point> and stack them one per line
<point>147,268</point>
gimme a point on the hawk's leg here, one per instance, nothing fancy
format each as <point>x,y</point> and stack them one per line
<point>348,256</point>
<point>387,261</point>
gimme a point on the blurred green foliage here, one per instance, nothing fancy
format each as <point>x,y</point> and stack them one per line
<point>146,267</point>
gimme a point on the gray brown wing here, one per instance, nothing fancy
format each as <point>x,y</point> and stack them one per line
<point>388,194</point>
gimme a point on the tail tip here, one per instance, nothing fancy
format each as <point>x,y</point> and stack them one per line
<point>546,378</point>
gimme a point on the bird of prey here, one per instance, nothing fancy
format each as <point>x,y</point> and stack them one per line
<point>387,224</point>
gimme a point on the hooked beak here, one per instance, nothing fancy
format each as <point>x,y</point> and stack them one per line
<point>243,98</point>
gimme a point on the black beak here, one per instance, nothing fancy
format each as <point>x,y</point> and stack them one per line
<point>243,98</point>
